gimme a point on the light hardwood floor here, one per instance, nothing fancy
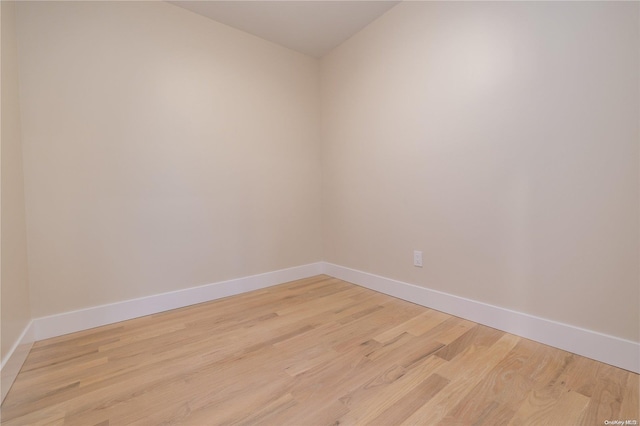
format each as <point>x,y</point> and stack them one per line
<point>317,351</point>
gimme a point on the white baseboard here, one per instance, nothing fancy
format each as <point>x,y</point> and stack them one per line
<point>601,347</point>
<point>13,360</point>
<point>83,319</point>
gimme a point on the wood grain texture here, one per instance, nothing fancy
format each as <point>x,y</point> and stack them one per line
<point>317,351</point>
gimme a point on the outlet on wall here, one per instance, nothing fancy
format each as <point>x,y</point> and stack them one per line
<point>417,258</point>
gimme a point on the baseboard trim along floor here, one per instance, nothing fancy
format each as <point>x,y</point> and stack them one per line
<point>601,347</point>
<point>15,358</point>
<point>70,322</point>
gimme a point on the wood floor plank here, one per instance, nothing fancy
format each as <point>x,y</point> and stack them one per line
<point>478,336</point>
<point>420,395</point>
<point>374,398</point>
<point>544,408</point>
<point>631,398</point>
<point>316,351</point>
<point>608,394</point>
<point>416,326</point>
<point>464,372</point>
<point>491,396</point>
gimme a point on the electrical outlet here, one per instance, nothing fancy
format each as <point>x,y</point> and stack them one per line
<point>417,258</point>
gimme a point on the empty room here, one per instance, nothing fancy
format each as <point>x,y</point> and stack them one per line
<point>320,213</point>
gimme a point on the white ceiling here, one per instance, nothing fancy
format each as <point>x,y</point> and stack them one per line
<point>310,27</point>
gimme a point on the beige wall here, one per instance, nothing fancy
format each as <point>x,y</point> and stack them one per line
<point>14,283</point>
<point>502,140</point>
<point>162,151</point>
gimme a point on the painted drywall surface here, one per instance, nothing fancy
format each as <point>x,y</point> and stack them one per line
<point>14,289</point>
<point>501,139</point>
<point>162,151</point>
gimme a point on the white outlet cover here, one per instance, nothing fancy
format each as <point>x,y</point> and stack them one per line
<point>417,258</point>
